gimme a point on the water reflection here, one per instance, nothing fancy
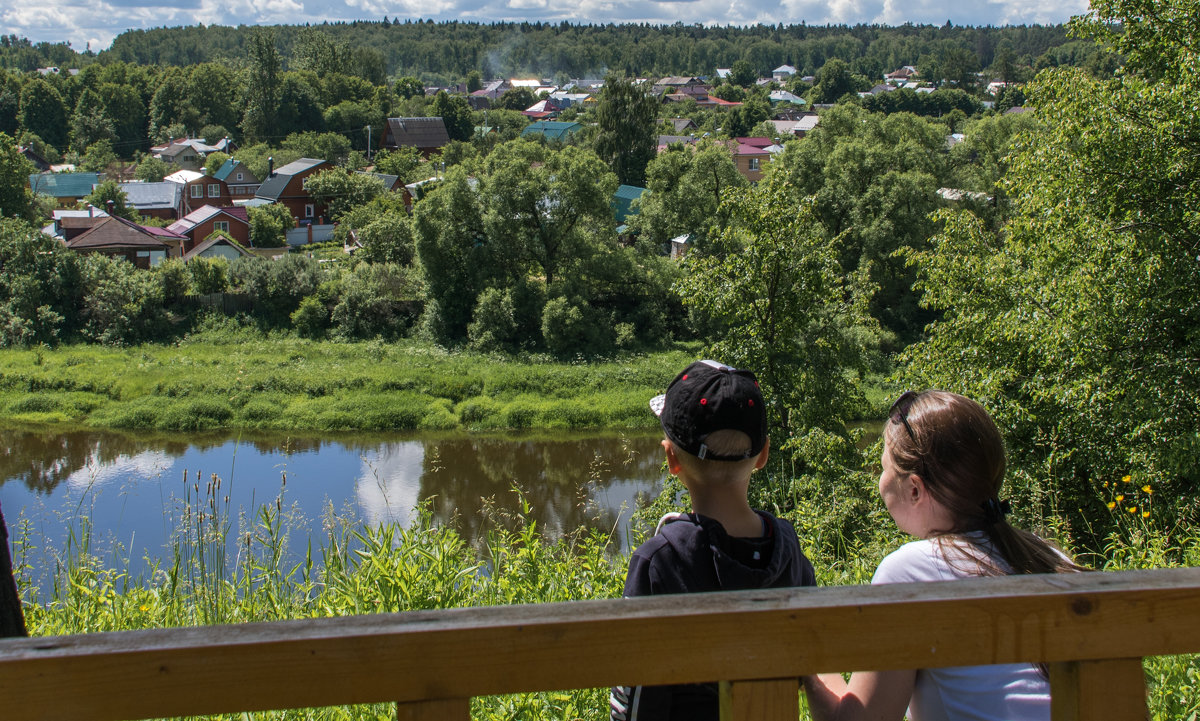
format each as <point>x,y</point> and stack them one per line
<point>130,485</point>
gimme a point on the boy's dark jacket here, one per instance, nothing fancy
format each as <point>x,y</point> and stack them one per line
<point>692,554</point>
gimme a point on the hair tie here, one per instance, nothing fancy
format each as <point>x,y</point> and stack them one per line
<point>994,510</point>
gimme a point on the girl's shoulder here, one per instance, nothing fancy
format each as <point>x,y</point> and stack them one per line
<point>912,562</point>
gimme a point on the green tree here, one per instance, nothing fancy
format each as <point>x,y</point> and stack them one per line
<point>402,162</point>
<point>833,82</point>
<point>474,81</point>
<point>99,157</point>
<point>123,104</point>
<point>262,90</point>
<point>269,225</point>
<point>43,112</point>
<point>213,162</point>
<point>16,199</point>
<point>742,74</point>
<point>110,191</point>
<point>544,207</point>
<point>340,190</point>
<point>409,87</point>
<point>40,288</point>
<point>89,123</point>
<point>333,147</point>
<point>685,192</point>
<point>212,90</point>
<point>454,253</point>
<point>1075,321</point>
<point>455,113</point>
<point>782,306</point>
<point>626,117</point>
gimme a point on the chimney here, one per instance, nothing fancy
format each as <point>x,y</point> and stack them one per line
<point>111,206</point>
<point>270,166</point>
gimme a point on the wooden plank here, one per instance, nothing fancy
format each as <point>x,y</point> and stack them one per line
<point>453,709</point>
<point>462,653</point>
<point>766,700</point>
<point>1113,690</point>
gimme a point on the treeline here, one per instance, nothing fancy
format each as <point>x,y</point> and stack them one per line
<point>449,51</point>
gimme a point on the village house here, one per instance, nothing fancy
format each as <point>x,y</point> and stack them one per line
<point>66,224</point>
<point>288,187</point>
<point>67,189</point>
<point>163,199</point>
<point>750,155</point>
<point>681,85</point>
<point>242,183</point>
<point>901,75</point>
<point>188,153</point>
<point>783,73</point>
<point>200,189</point>
<point>199,224</point>
<point>117,237</point>
<point>427,135</point>
<point>216,246</point>
<point>554,130</point>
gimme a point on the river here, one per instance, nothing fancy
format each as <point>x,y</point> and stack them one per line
<point>132,488</point>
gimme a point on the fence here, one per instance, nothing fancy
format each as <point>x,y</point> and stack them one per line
<point>1093,628</point>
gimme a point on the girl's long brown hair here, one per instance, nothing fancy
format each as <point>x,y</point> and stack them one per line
<point>952,443</point>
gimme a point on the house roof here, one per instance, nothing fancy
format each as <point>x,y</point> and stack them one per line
<point>419,132</point>
<point>114,233</point>
<point>682,123</point>
<point>183,176</point>
<point>390,182</point>
<point>677,80</point>
<point>152,196</point>
<point>785,69</point>
<point>552,129</point>
<point>783,96</point>
<point>622,201</point>
<point>225,172</point>
<point>204,214</point>
<point>209,243</point>
<point>274,186</point>
<point>63,185</point>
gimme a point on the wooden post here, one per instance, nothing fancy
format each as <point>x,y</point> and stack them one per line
<point>449,709</point>
<point>12,620</point>
<point>776,699</point>
<point>1112,690</point>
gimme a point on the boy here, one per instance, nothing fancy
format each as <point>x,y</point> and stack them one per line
<point>715,422</point>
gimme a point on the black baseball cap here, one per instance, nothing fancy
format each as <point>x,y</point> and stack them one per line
<point>709,396</point>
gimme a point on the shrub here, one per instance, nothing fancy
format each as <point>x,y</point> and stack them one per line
<point>123,304</point>
<point>209,275</point>
<point>570,329</point>
<point>312,318</point>
<point>40,287</point>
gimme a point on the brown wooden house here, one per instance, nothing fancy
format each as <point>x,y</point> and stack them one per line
<point>287,186</point>
<point>119,238</point>
<point>199,224</point>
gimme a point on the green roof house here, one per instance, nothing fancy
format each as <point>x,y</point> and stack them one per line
<point>551,129</point>
<point>66,188</point>
<point>622,202</point>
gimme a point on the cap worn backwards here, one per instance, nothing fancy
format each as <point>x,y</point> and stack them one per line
<point>709,396</point>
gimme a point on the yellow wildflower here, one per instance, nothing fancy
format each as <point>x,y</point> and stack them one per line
<point>1111,505</point>
<point>1120,498</point>
<point>1145,514</point>
<point>1126,479</point>
<point>144,607</point>
<point>1132,509</point>
<point>1147,489</point>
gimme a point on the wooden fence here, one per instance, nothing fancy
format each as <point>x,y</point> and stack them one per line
<point>1093,628</point>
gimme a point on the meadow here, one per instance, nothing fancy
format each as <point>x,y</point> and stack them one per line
<point>247,380</point>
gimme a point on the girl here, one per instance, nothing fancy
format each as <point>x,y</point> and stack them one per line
<point>943,465</point>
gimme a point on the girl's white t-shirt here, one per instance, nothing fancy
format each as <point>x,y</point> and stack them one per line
<point>1007,692</point>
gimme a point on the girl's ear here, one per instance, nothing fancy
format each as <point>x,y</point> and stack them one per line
<point>915,490</point>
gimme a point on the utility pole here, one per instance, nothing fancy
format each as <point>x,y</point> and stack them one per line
<point>368,143</point>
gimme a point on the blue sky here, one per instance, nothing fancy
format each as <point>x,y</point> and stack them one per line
<point>98,21</point>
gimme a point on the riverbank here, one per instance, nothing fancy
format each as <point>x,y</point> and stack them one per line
<point>251,381</point>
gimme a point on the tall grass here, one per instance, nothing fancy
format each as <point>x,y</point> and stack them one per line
<point>221,569</point>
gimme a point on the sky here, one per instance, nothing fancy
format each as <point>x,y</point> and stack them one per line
<point>97,22</point>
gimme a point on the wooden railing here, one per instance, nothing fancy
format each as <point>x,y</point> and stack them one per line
<point>1093,628</point>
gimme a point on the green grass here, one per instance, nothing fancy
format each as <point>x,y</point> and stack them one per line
<point>232,380</point>
<point>350,569</point>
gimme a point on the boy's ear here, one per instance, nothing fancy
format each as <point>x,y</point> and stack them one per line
<point>762,455</point>
<point>673,464</point>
